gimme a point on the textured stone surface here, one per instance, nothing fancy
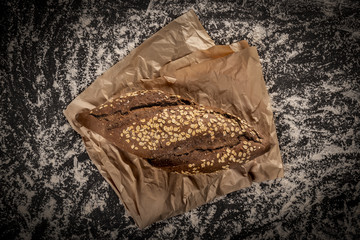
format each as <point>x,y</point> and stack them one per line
<point>310,56</point>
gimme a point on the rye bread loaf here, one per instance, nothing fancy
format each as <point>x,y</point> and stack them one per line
<point>174,133</point>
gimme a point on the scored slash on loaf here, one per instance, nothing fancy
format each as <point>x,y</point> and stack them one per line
<point>174,133</point>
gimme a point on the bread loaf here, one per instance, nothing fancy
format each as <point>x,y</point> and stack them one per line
<point>174,133</point>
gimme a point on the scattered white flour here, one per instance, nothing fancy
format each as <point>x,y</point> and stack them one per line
<point>54,179</point>
<point>283,39</point>
<point>352,94</point>
<point>337,110</point>
<point>79,174</point>
<point>49,207</point>
<point>258,33</point>
<point>85,20</point>
<point>298,102</point>
<point>70,76</point>
<point>123,30</point>
<point>148,10</point>
<point>356,34</point>
<point>169,230</point>
<point>330,87</point>
<point>294,130</point>
<point>95,201</point>
<point>332,149</point>
<point>194,219</point>
<point>292,54</point>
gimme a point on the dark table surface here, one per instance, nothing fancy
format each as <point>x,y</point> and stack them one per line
<point>310,56</point>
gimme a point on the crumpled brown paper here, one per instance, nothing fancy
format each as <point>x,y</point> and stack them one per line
<point>181,58</point>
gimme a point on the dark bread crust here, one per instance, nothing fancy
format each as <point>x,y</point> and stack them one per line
<point>175,133</point>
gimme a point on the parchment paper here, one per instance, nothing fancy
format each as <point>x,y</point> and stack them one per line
<point>180,58</point>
